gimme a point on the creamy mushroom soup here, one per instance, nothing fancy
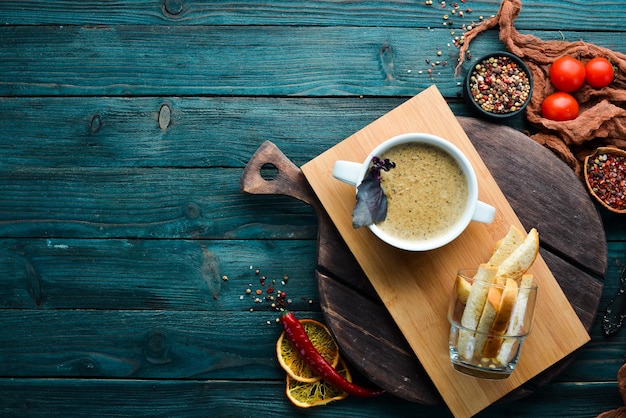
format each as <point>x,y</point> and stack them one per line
<point>427,192</point>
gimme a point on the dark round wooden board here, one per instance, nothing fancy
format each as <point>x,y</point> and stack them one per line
<point>544,192</point>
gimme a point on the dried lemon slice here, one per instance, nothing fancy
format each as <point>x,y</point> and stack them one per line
<point>291,361</point>
<point>306,395</point>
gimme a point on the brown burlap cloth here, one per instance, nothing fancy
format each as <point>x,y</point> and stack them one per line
<point>602,118</point>
<point>621,384</point>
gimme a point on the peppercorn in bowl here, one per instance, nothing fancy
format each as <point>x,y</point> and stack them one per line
<point>605,176</point>
<point>498,85</point>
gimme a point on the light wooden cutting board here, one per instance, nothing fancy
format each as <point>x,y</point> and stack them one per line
<point>415,286</point>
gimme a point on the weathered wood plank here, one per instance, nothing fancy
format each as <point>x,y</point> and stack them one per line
<point>141,344</point>
<point>237,399</point>
<point>147,203</point>
<point>73,273</point>
<point>234,60</point>
<point>329,13</point>
<point>201,132</point>
<point>155,274</point>
<point>219,344</point>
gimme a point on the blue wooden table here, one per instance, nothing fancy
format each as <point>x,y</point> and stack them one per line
<point>129,259</point>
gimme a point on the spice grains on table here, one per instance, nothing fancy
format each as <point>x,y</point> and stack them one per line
<point>124,132</point>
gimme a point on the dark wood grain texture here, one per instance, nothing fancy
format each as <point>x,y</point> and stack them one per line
<point>359,320</point>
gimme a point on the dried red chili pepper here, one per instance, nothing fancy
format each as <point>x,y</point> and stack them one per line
<point>296,334</point>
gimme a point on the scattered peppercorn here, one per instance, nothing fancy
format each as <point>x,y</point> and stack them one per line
<point>499,85</point>
<point>267,293</point>
<point>606,175</point>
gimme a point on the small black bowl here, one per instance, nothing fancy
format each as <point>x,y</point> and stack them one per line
<point>498,99</point>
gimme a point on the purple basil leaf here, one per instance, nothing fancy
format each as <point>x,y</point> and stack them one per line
<point>371,203</point>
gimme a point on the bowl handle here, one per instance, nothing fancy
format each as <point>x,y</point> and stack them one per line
<point>347,171</point>
<point>484,213</point>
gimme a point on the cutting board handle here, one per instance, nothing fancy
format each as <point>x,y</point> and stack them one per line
<point>286,179</point>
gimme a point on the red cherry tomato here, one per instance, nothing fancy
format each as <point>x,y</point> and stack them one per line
<point>599,73</point>
<point>559,106</point>
<point>567,74</point>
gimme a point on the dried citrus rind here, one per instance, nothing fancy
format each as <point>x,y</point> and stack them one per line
<point>307,395</point>
<point>291,361</point>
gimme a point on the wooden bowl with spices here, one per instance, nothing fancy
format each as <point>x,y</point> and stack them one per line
<point>605,176</point>
<point>498,85</point>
